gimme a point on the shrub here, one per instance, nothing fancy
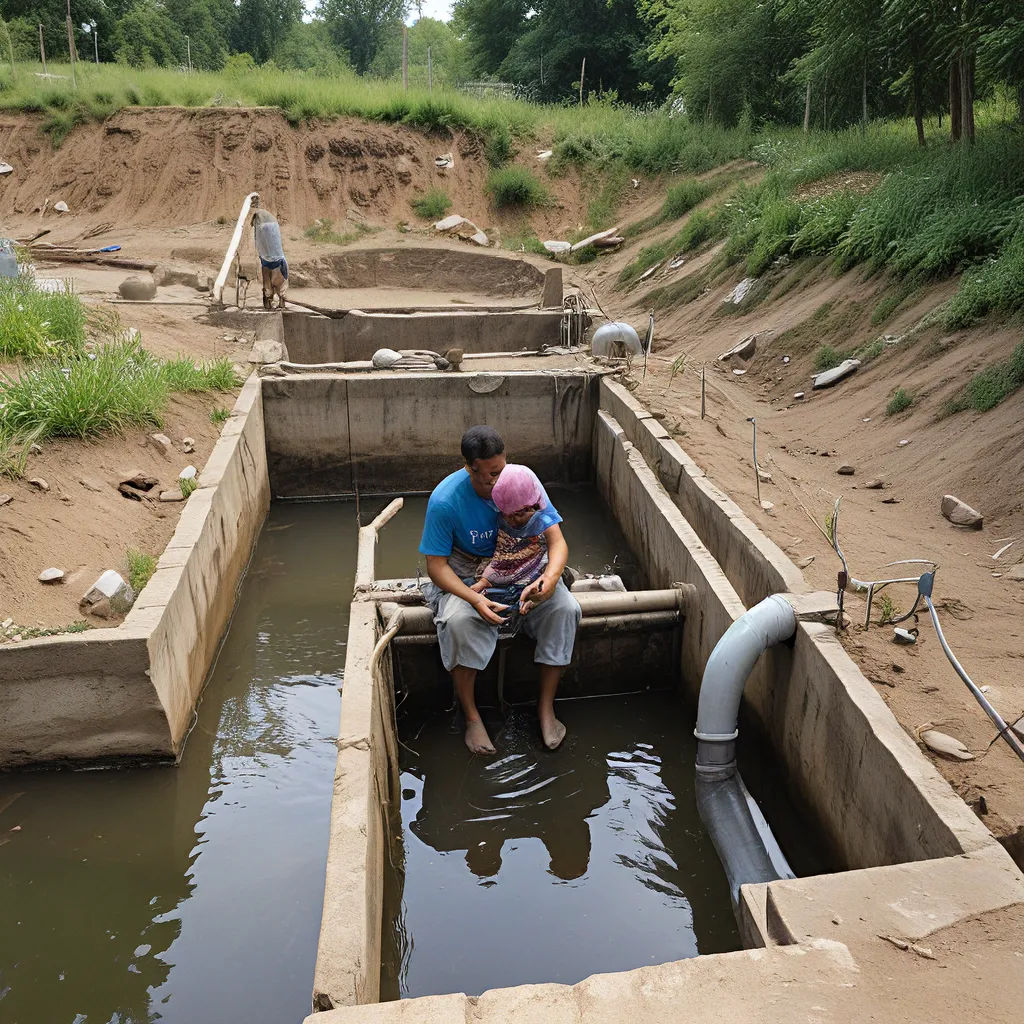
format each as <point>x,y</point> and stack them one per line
<point>322,230</point>
<point>684,197</point>
<point>433,205</point>
<point>515,186</point>
<point>219,415</point>
<point>990,386</point>
<point>901,399</point>
<point>827,358</point>
<point>140,568</point>
<point>498,149</point>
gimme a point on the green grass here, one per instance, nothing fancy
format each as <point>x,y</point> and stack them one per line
<point>901,400</point>
<point>35,323</point>
<point>140,568</point>
<point>515,187</point>
<point>322,231</point>
<point>525,243</point>
<point>187,486</point>
<point>219,415</point>
<point>990,386</point>
<point>827,358</point>
<point>432,205</point>
<point>34,632</point>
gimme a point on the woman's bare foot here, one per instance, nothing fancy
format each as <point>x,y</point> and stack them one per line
<point>552,730</point>
<point>477,739</point>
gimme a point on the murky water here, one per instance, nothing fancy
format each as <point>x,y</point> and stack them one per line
<point>194,894</point>
<point>541,867</point>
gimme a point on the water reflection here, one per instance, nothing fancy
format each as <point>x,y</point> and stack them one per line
<point>537,867</point>
<point>194,893</point>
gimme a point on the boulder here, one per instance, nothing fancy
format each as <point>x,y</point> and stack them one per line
<point>162,443</point>
<point>110,594</point>
<point>135,483</point>
<point>39,483</point>
<point>846,470</point>
<point>137,289</point>
<point>51,575</point>
<point>5,498</point>
<point>874,485</point>
<point>743,350</point>
<point>959,513</point>
<point>266,351</point>
<point>165,275</point>
<point>836,374</point>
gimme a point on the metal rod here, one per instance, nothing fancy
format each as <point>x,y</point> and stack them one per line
<point>757,472</point>
<point>702,392</point>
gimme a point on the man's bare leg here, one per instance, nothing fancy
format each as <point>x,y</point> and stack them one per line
<point>476,735</point>
<point>550,727</point>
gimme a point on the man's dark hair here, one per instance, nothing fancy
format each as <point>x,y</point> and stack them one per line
<point>481,443</point>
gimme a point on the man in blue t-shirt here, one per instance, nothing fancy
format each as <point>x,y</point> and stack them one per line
<point>459,535</point>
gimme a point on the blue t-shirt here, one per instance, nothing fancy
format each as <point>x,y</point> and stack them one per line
<point>459,522</point>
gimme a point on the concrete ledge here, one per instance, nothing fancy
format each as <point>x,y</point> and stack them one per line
<point>111,694</point>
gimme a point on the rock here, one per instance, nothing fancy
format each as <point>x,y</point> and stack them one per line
<point>444,160</point>
<point>35,449</point>
<point>61,207</point>
<point>189,473</point>
<point>385,358</point>
<point>51,575</point>
<point>455,357</point>
<point>450,223</point>
<point>553,245</point>
<point>874,485</point>
<point>172,495</point>
<point>836,374</point>
<point>111,589</point>
<point>188,445</point>
<point>1015,573</point>
<point>6,168</point>
<point>959,513</point>
<point>743,350</point>
<point>5,499</point>
<point>944,745</point>
<point>6,624</point>
<point>266,351</point>
<point>741,291</point>
<point>903,444</point>
<point>767,505</point>
<point>906,637</point>
<point>846,470</point>
<point>39,483</point>
<point>763,475</point>
<point>799,395</point>
<point>164,275</point>
<point>137,289</point>
<point>162,442</point>
<point>479,238</point>
<point>803,563</point>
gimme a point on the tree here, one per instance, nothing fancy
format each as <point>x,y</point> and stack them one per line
<point>361,26</point>
<point>146,36</point>
<point>448,54</point>
<point>209,25</point>
<point>262,24</point>
<point>307,46</point>
<point>491,28</point>
<point>51,15</point>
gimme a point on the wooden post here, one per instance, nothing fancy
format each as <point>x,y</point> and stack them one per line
<point>807,108</point>
<point>430,72</point>
<point>188,47</point>
<point>405,57</point>
<point>42,49</point>
<point>71,48</point>
<point>583,70</point>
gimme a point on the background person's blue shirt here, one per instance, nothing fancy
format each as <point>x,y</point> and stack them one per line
<point>459,522</point>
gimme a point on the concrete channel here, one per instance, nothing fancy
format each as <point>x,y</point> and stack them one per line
<point>910,856</point>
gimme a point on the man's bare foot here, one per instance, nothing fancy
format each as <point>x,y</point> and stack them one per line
<point>477,739</point>
<point>552,730</point>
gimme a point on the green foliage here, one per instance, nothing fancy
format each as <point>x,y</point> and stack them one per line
<point>219,415</point>
<point>322,231</point>
<point>187,486</point>
<point>827,358</point>
<point>683,197</point>
<point>432,205</point>
<point>515,187</point>
<point>184,375</point>
<point>990,386</point>
<point>901,400</point>
<point>997,285</point>
<point>35,323</point>
<point>498,149</point>
<point>525,243</point>
<point>140,568</point>
<point>361,27</point>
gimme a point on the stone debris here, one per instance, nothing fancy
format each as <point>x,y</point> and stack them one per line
<point>785,359</point>
<point>846,470</point>
<point>959,513</point>
<point>943,744</point>
<point>763,475</point>
<point>135,483</point>
<point>189,473</point>
<point>544,154</point>
<point>556,246</point>
<point>464,228</point>
<point>803,563</point>
<point>1016,573</point>
<point>874,485</point>
<point>266,351</point>
<point>444,160</point>
<point>110,594</point>
<point>39,483</point>
<point>162,443</point>
<point>5,499</point>
<point>836,374</point>
<point>767,506</point>
<point>907,637</point>
<point>172,495</point>
<point>903,444</point>
<point>137,289</point>
<point>51,575</point>
<point>35,449</point>
<point>6,168</point>
<point>741,291</point>
<point>799,395</point>
<point>594,239</point>
<point>61,207</point>
<point>744,349</point>
<point>188,445</point>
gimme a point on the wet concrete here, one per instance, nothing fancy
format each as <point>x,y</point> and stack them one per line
<point>193,893</point>
<point>540,867</point>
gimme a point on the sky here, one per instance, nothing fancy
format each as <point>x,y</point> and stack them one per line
<point>440,9</point>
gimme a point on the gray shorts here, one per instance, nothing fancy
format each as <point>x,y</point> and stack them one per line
<point>468,641</point>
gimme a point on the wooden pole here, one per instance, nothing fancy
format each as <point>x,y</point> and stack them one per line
<point>405,57</point>
<point>188,46</point>
<point>807,107</point>
<point>42,49</point>
<point>71,48</point>
<point>430,71</point>
<point>583,69</point>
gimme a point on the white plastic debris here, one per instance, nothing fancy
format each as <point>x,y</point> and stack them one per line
<point>6,168</point>
<point>741,291</point>
<point>555,246</point>
<point>61,207</point>
<point>444,160</point>
<point>188,473</point>
<point>544,154</point>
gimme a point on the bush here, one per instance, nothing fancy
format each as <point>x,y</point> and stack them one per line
<point>827,358</point>
<point>140,568</point>
<point>682,198</point>
<point>515,186</point>
<point>433,205</point>
<point>901,399</point>
<point>987,388</point>
<point>35,323</point>
<point>498,149</point>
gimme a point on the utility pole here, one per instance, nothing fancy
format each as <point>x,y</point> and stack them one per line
<point>405,56</point>
<point>430,72</point>
<point>95,41</point>
<point>42,49</point>
<point>582,72</point>
<point>71,48</point>
<point>188,46</point>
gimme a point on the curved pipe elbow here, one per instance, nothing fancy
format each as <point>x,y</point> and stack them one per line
<point>725,675</point>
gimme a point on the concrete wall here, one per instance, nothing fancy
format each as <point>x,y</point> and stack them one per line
<point>331,433</point>
<point>319,339</point>
<point>432,268</point>
<point>876,798</point>
<point>128,692</point>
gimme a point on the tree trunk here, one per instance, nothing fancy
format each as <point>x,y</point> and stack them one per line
<point>807,108</point>
<point>918,105</point>
<point>955,109</point>
<point>864,98</point>
<point>967,96</point>
<point>1020,104</point>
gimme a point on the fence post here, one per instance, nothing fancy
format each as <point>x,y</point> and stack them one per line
<point>430,72</point>
<point>583,69</point>
<point>42,49</point>
<point>405,57</point>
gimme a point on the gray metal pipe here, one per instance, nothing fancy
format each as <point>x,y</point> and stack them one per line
<point>745,844</point>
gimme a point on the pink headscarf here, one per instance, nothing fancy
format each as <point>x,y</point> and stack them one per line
<point>518,487</point>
